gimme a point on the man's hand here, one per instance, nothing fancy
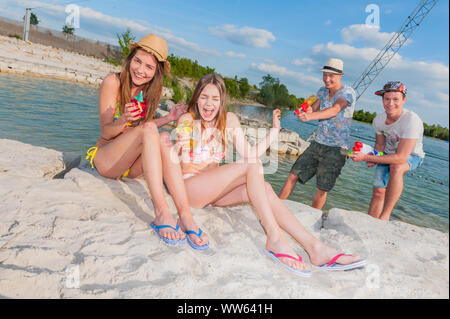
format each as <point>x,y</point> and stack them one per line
<point>358,157</point>
<point>370,164</point>
<point>305,116</point>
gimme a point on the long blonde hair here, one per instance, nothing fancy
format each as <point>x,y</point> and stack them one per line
<point>152,90</point>
<point>221,123</point>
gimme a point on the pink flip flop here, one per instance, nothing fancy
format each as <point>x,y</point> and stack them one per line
<point>276,257</point>
<point>332,265</point>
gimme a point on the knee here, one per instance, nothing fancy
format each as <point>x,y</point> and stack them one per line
<point>292,178</point>
<point>149,128</point>
<point>398,169</point>
<point>269,188</point>
<point>165,139</point>
<point>321,193</point>
<point>255,165</point>
<point>379,192</point>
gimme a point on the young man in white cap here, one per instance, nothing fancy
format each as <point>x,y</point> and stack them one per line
<point>399,134</point>
<point>327,153</point>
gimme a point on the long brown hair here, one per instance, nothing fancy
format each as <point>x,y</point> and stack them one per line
<point>221,117</point>
<point>152,90</point>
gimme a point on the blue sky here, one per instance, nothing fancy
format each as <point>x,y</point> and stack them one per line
<point>290,40</point>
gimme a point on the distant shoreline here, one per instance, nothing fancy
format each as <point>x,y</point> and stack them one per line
<point>50,77</point>
<point>37,60</point>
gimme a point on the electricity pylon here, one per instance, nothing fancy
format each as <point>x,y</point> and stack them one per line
<point>26,24</point>
<point>392,47</point>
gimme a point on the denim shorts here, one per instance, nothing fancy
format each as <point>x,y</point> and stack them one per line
<point>381,176</point>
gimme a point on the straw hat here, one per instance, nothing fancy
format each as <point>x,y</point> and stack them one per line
<point>154,45</point>
<point>335,66</point>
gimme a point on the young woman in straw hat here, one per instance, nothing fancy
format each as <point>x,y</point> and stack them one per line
<point>129,144</point>
<point>202,139</point>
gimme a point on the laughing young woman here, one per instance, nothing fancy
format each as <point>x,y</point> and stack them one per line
<point>201,145</point>
<point>129,142</point>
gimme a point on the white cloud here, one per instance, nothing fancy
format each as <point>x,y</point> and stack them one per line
<point>277,70</point>
<point>186,45</point>
<point>235,55</point>
<point>369,36</point>
<point>246,36</point>
<point>444,98</point>
<point>304,62</point>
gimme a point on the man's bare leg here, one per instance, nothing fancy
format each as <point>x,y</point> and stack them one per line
<point>319,199</point>
<point>288,186</point>
<point>377,202</point>
<point>394,189</point>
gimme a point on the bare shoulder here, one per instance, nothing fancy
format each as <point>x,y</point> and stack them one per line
<point>111,82</point>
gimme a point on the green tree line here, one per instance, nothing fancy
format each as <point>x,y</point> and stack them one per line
<point>363,116</point>
<point>184,67</point>
<point>438,131</point>
<point>273,93</point>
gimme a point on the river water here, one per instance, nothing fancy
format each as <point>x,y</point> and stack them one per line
<point>64,116</point>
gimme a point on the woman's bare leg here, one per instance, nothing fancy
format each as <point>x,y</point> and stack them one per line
<point>173,177</point>
<point>210,186</point>
<point>318,252</point>
<point>113,159</point>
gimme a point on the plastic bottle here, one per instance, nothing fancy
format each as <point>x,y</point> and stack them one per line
<point>142,106</point>
<point>364,148</point>
<point>304,106</point>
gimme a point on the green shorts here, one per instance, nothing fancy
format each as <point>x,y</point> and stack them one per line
<point>322,160</point>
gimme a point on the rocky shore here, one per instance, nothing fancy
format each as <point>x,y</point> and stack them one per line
<point>79,235</point>
<point>27,58</point>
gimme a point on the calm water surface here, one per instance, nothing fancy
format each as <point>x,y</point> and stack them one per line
<point>64,116</point>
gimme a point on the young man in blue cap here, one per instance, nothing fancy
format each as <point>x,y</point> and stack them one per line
<point>399,134</point>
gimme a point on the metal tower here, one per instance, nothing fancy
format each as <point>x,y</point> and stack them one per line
<point>392,47</point>
<point>26,24</point>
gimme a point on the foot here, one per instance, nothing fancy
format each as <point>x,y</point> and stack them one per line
<point>323,254</point>
<point>187,223</point>
<point>280,246</point>
<point>169,233</point>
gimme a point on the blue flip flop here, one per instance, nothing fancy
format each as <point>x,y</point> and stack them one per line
<point>191,243</point>
<point>164,239</point>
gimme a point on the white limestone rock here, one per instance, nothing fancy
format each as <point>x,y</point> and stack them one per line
<point>86,236</point>
<point>20,159</point>
<point>404,261</point>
